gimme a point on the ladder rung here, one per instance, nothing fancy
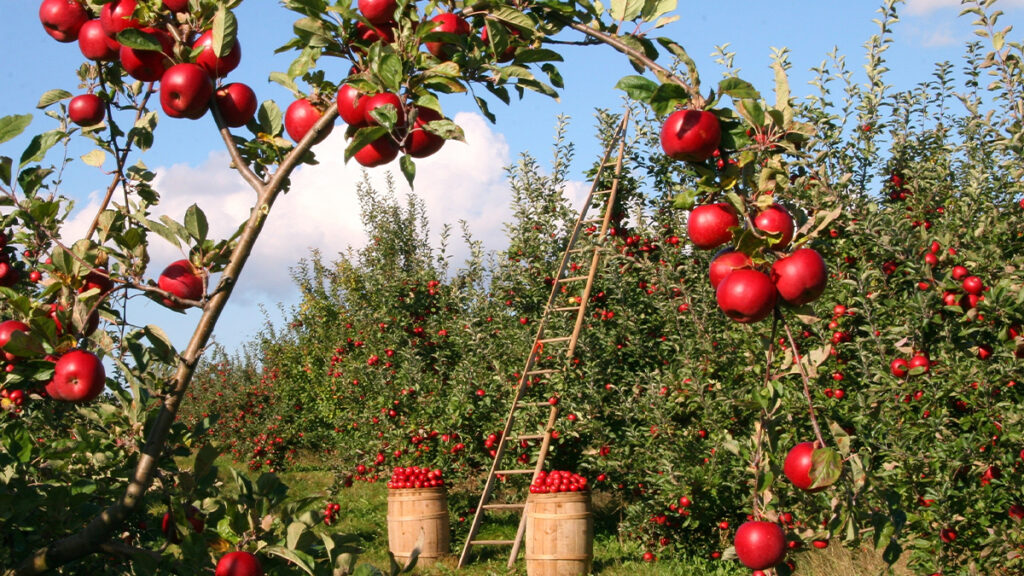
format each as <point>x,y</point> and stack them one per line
<point>559,339</point>
<point>533,404</point>
<point>572,278</point>
<point>531,436</point>
<point>544,371</point>
<point>608,191</point>
<point>593,220</point>
<point>566,308</point>
<point>519,506</point>
<point>492,542</point>
<point>506,472</point>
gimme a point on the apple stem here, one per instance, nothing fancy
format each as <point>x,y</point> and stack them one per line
<point>807,385</point>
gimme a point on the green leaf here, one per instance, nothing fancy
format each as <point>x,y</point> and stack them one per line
<point>737,89</point>
<point>225,31</point>
<point>363,137</point>
<point>96,158</point>
<point>537,55</point>
<point>626,10</point>
<point>826,466</point>
<point>161,343</point>
<point>389,70</point>
<point>637,87</point>
<point>667,97</point>
<point>24,345</point>
<point>139,40</point>
<point>51,97</point>
<point>408,166</point>
<point>12,126</point>
<point>196,224</point>
<point>653,9</point>
<point>40,145</point>
<point>285,80</point>
<point>270,118</point>
<point>295,531</point>
<point>301,559</point>
<point>204,460</point>
<point>6,163</point>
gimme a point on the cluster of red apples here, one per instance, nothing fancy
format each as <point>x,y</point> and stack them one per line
<point>415,477</point>
<point>186,67</point>
<point>558,481</point>
<point>744,290</point>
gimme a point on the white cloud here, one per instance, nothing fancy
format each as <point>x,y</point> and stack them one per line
<point>918,7</point>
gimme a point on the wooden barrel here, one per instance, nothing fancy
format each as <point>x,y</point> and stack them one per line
<point>559,534</point>
<point>412,511</point>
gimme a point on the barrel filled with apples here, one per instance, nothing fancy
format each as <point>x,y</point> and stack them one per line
<point>418,515</point>
<point>559,525</point>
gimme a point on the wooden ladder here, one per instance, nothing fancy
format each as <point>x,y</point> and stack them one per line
<point>601,194</point>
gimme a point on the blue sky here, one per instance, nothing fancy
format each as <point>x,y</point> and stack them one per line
<point>464,181</point>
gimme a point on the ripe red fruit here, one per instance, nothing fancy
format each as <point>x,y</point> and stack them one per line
<point>371,103</point>
<point>973,285</point>
<point>421,143</point>
<point>947,535</point>
<point>239,563</point>
<point>351,106</point>
<point>800,277</point>
<point>776,220</point>
<point>691,135</point>
<point>984,351</point>
<point>725,262</point>
<point>684,502</point>
<point>797,466</point>
<point>449,23</point>
<point>377,153</point>
<point>176,5</point>
<point>237,104</point>
<point>920,361</point>
<point>78,376</point>
<point>6,329</point>
<point>86,110</point>
<point>216,66</point>
<point>649,557</point>
<point>300,118</point>
<point>95,44</point>
<point>708,225</point>
<point>148,65</point>
<point>378,11</point>
<point>959,272</point>
<point>182,280</point>
<point>63,19</point>
<point>760,545</point>
<point>117,15</point>
<point>746,296</point>
<point>899,367</point>
<point>820,544</point>
<point>185,91</point>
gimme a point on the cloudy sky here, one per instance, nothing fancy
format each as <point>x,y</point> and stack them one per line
<point>465,181</point>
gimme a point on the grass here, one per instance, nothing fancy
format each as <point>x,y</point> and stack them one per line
<point>364,510</point>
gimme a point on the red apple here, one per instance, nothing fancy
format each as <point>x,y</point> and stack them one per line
<point>378,11</point>
<point>776,220</point>
<point>973,285</point>
<point>217,67</point>
<point>760,545</point>
<point>148,65</point>
<point>377,153</point>
<point>708,225</point>
<point>725,262</point>
<point>63,19</point>
<point>421,143</point>
<point>86,110</point>
<point>9,275</point>
<point>300,118</point>
<point>185,91</point>
<point>237,104</point>
<point>351,106</point>
<point>95,44</point>
<point>691,135</point>
<point>920,361</point>
<point>176,5</point>
<point>899,367</point>
<point>797,466</point>
<point>371,103</point>
<point>451,24</point>
<point>181,280</point>
<point>959,272</point>
<point>800,277</point>
<point>117,16</point>
<point>374,33</point>
<point>78,376</point>
<point>6,329</point>
<point>239,563</point>
<point>746,296</point>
